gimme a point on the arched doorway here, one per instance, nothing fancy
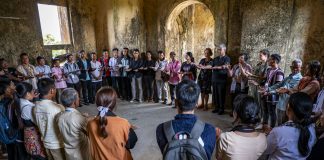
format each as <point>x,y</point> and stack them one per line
<point>189,27</point>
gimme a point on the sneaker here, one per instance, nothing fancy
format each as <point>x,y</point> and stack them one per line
<point>171,103</point>
<point>165,102</point>
<point>221,111</point>
<point>140,101</point>
<point>160,101</point>
<point>131,101</point>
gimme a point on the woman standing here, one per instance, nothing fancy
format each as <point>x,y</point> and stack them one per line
<point>107,130</point>
<point>149,74</point>
<point>135,65</point>
<point>239,77</point>
<point>204,78</point>
<point>59,78</point>
<point>188,68</point>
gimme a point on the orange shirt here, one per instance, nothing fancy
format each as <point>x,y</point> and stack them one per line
<point>113,146</point>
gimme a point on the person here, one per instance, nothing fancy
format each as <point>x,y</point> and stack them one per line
<point>135,65</point>
<point>28,71</point>
<point>188,68</point>
<point>295,138</point>
<point>8,73</point>
<point>319,104</point>
<point>32,140</point>
<point>45,112</point>
<point>243,142</point>
<point>148,77</point>
<point>317,151</point>
<point>239,76</point>
<point>15,148</point>
<point>161,86</point>
<point>173,69</point>
<point>114,70</point>
<point>58,77</point>
<point>289,82</point>
<point>96,74</point>
<point>187,93</point>
<point>126,85</point>
<point>43,69</point>
<point>257,77</point>
<point>85,78</point>
<point>71,71</point>
<point>219,78</point>
<point>104,60</point>
<point>72,126</point>
<point>120,83</point>
<point>309,83</point>
<point>204,79</point>
<point>107,129</point>
<point>274,75</point>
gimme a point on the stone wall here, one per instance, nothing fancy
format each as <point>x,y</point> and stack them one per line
<point>21,31</point>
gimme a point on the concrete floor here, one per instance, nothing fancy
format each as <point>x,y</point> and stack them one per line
<point>147,116</point>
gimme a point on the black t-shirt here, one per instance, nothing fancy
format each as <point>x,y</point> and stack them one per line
<point>10,71</point>
<point>220,75</point>
<point>135,65</point>
<point>189,67</point>
<point>149,71</point>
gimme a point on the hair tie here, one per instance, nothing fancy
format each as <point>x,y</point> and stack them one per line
<point>102,111</point>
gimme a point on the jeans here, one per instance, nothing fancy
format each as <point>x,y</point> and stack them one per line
<point>172,91</point>
<point>161,89</point>
<point>137,88</point>
<point>148,83</point>
<point>106,81</point>
<point>270,110</point>
<point>219,93</point>
<point>95,87</point>
<point>86,91</point>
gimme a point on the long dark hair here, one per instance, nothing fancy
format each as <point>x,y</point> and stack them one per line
<point>21,91</point>
<point>192,59</point>
<point>105,97</point>
<point>301,104</point>
<point>314,68</point>
<point>247,109</point>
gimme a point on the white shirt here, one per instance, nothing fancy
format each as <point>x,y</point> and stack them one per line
<point>96,66</point>
<point>44,69</point>
<point>29,70</point>
<point>45,112</point>
<point>319,105</point>
<point>113,64</point>
<point>26,108</point>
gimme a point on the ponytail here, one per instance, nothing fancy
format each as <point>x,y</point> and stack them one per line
<point>304,137</point>
<point>102,127</point>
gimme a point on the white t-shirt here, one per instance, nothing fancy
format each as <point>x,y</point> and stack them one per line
<point>96,66</point>
<point>26,108</point>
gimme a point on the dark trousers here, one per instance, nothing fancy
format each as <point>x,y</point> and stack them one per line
<point>238,91</point>
<point>172,91</point>
<point>270,111</point>
<point>148,85</point>
<point>219,93</point>
<point>106,81</point>
<point>86,91</point>
<point>121,87</point>
<point>115,84</point>
<point>17,151</point>
<point>95,87</point>
<point>76,86</point>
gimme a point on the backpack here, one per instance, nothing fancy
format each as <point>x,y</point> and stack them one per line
<point>180,147</point>
<point>8,133</point>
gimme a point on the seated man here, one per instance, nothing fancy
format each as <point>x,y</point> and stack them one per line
<point>186,128</point>
<point>45,110</point>
<point>72,125</point>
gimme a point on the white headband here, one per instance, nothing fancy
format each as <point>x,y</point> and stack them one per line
<point>102,110</point>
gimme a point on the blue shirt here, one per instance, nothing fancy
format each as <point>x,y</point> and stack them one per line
<point>85,64</point>
<point>283,143</point>
<point>289,82</point>
<point>185,122</point>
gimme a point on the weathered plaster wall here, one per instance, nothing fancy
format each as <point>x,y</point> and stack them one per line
<point>120,23</point>
<point>24,34</point>
<point>293,28</point>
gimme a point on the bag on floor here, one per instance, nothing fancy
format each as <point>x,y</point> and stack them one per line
<point>184,145</point>
<point>8,133</point>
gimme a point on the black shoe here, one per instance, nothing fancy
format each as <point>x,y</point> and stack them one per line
<point>215,110</point>
<point>86,103</point>
<point>80,105</point>
<point>221,111</point>
<point>165,102</point>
